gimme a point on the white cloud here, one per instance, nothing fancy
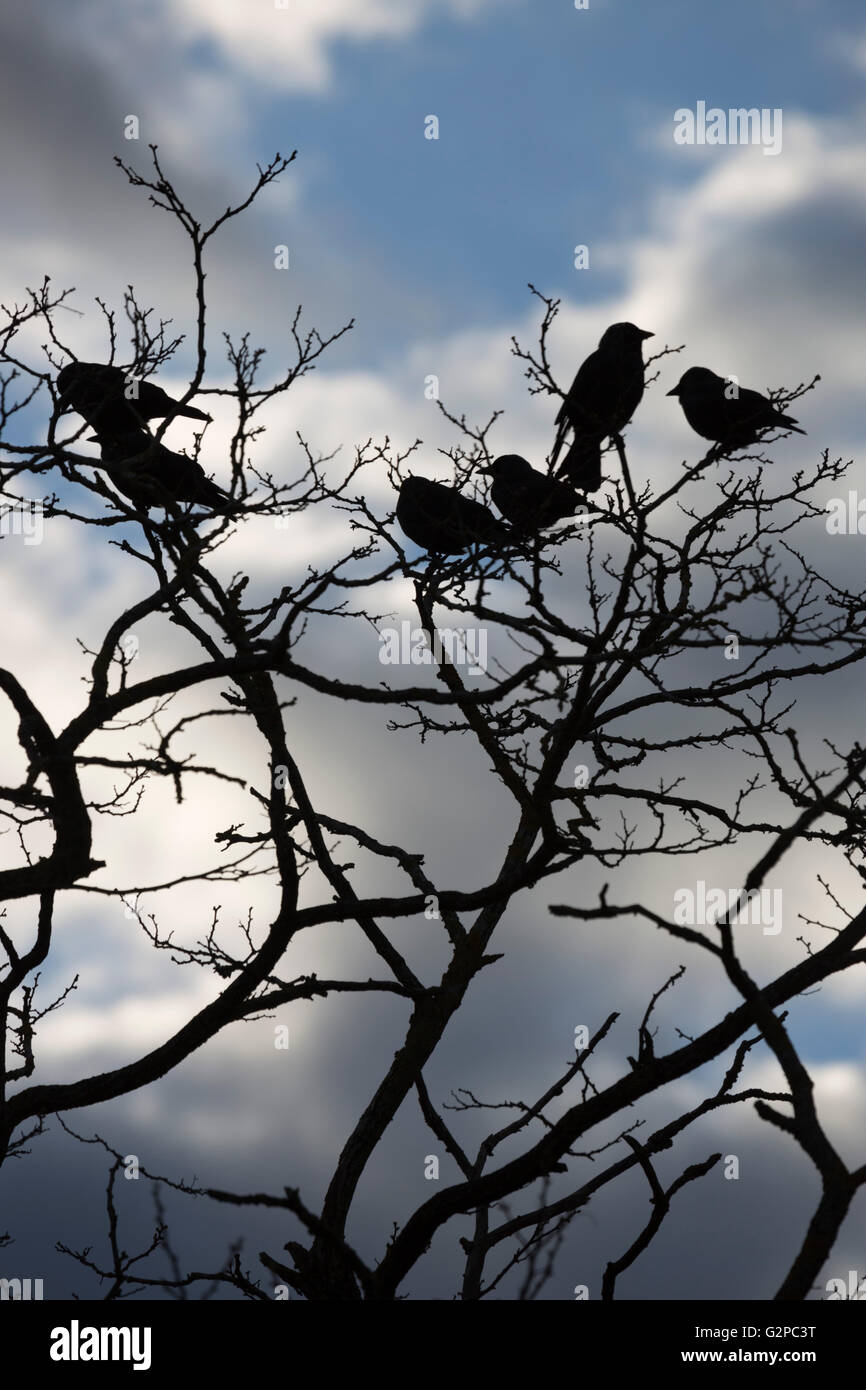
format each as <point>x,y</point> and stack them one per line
<point>288,45</point>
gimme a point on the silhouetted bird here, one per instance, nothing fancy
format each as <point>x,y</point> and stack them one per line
<point>528,499</point>
<point>721,411</point>
<point>582,463</point>
<point>98,392</point>
<point>601,400</point>
<point>144,471</point>
<point>441,519</point>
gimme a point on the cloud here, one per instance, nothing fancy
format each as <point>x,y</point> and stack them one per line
<point>848,47</point>
<point>288,43</point>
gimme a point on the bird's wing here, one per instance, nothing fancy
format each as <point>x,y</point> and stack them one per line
<point>753,403</point>
<point>597,392</point>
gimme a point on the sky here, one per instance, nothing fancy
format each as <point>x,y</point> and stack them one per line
<point>555,130</point>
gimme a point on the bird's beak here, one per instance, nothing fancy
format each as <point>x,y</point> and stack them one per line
<point>485,470</point>
<point>675,392</point>
<point>645,334</point>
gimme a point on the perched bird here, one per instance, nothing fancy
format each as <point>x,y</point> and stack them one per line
<point>600,402</point>
<point>106,397</point>
<point>148,473</point>
<point>528,499</point>
<point>731,415</point>
<point>441,519</point>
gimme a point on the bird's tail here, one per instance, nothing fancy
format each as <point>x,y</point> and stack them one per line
<point>562,425</point>
<point>790,424</point>
<point>582,464</point>
<point>210,495</point>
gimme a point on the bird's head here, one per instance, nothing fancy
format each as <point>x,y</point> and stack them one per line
<point>623,337</point>
<point>509,466</point>
<point>67,378</point>
<point>695,379</point>
<point>415,484</point>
